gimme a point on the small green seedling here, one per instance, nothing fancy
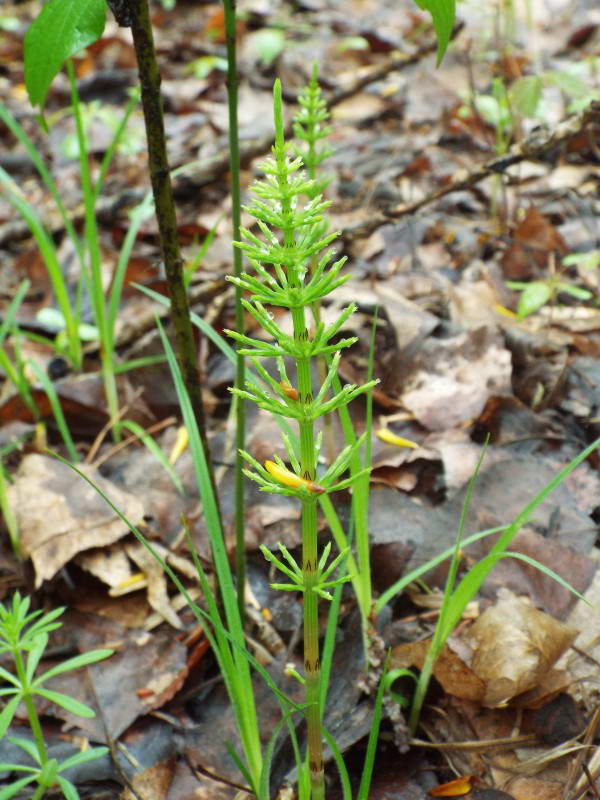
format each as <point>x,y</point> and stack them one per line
<point>24,635</point>
<point>536,294</point>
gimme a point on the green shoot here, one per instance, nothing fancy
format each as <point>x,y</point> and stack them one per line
<point>294,233</point>
<point>24,636</point>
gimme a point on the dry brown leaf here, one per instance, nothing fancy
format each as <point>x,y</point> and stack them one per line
<point>60,515</point>
<point>455,377</point>
<point>109,564</point>
<point>156,582</point>
<point>535,238</point>
<point>515,645</point>
<point>152,783</point>
<point>450,671</point>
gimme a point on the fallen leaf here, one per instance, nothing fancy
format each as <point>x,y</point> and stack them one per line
<point>514,647</point>
<point>60,515</point>
<point>450,671</point>
<point>534,239</point>
<point>455,377</point>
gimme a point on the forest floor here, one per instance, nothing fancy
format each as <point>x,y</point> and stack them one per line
<point>446,184</point>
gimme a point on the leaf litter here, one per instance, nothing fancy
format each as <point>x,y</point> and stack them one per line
<point>454,364</point>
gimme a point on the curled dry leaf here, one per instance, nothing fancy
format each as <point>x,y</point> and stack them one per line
<point>515,645</point>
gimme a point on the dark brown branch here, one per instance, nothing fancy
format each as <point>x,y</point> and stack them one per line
<point>160,177</point>
<point>538,144</point>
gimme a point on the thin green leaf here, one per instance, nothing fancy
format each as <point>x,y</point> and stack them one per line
<point>412,576</point>
<point>575,291</point>
<point>367,773</point>
<point>68,703</point>
<point>83,758</point>
<point>8,713</point>
<point>15,788</point>
<point>240,765</point>
<point>61,422</point>
<point>339,763</point>
<point>8,676</point>
<point>68,789</point>
<point>155,450</point>
<point>76,662</point>
<point>263,792</point>
<point>8,321</point>
<point>28,746</point>
<point>35,654</point>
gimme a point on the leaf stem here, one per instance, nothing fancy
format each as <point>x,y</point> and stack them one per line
<point>160,177</point>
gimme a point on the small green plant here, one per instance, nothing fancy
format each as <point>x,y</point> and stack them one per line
<point>293,234</point>
<point>536,294</point>
<point>505,107</point>
<point>24,635</point>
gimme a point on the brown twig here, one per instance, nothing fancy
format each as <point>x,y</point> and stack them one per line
<point>536,145</point>
<point>160,177</point>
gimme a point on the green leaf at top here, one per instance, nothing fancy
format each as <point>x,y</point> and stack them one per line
<point>443,13</point>
<point>61,29</point>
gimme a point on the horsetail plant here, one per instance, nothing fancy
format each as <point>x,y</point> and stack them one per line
<point>290,217</point>
<point>310,128</point>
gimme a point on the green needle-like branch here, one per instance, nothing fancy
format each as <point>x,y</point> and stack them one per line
<point>292,266</point>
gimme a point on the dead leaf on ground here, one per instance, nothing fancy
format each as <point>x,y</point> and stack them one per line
<point>514,647</point>
<point>60,515</point>
<point>455,677</point>
<point>143,674</point>
<point>535,238</point>
<point>453,378</point>
<point>152,783</point>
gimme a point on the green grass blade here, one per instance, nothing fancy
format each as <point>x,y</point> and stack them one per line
<point>400,585</point>
<point>249,733</point>
<point>44,173</point>
<point>118,135</point>
<point>16,375</point>
<point>242,768</point>
<point>263,791</point>
<point>10,519</point>
<point>9,321</point>
<point>339,763</point>
<point>138,363</point>
<point>50,258</point>
<point>61,422</point>
<point>330,640</point>
<point>140,213</point>
<point>367,773</point>
<point>153,448</point>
